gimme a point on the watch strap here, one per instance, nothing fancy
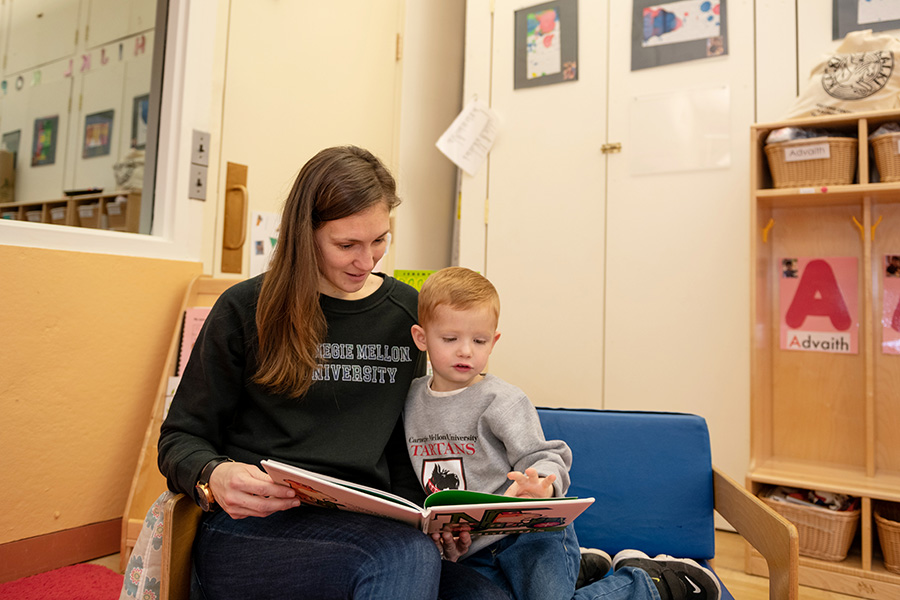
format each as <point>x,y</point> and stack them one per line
<point>207,470</point>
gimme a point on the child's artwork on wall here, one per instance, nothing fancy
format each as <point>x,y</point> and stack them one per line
<point>819,304</point>
<point>546,44</point>
<point>97,134</point>
<point>43,145</point>
<point>890,315</point>
<point>673,32</point>
<point>139,114</point>
<point>856,15</point>
<point>264,228</point>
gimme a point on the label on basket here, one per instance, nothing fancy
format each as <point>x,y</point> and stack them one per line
<point>810,152</point>
<point>898,145</point>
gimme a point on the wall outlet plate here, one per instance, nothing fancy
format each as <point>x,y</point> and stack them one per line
<point>197,184</point>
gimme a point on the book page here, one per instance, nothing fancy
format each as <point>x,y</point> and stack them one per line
<point>330,492</point>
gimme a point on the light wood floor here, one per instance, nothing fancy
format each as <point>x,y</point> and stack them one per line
<point>729,567</point>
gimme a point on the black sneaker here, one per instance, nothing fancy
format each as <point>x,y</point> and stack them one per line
<point>675,578</point>
<point>594,565</point>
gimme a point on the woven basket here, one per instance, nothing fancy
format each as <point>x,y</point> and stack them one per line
<point>825,534</point>
<point>837,169</point>
<point>887,518</point>
<point>887,156</point>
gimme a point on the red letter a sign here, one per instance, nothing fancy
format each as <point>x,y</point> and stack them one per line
<point>818,295</point>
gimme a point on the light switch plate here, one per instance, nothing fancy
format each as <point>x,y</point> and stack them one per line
<point>197,185</point>
<point>200,148</point>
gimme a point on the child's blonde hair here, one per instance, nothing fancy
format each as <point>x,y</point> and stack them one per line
<point>460,289</point>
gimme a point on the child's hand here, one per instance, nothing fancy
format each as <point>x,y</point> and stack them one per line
<point>529,485</point>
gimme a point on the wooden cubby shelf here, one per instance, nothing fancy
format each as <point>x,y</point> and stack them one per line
<point>819,420</point>
<point>116,211</point>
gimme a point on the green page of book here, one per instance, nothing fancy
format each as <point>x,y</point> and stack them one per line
<point>458,497</point>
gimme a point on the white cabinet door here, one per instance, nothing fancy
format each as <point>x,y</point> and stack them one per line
<point>546,221</point>
<point>677,293</point>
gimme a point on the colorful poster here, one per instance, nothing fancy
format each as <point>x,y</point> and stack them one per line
<point>43,145</point>
<point>674,32</point>
<point>682,21</point>
<point>546,44</point>
<point>97,134</point>
<point>542,43</point>
<point>819,304</point>
<point>890,314</point>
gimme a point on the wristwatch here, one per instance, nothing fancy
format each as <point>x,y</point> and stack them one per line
<point>205,498</point>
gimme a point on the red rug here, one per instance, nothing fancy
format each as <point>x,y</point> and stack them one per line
<point>77,582</point>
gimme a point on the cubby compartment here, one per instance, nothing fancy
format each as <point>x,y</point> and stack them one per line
<point>117,211</point>
<point>825,363</point>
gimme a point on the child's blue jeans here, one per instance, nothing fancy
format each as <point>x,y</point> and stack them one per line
<point>544,566</point>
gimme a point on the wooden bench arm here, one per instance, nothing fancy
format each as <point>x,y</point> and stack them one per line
<point>181,516</point>
<point>771,534</point>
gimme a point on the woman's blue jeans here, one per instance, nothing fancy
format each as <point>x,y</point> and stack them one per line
<point>313,553</point>
<point>544,566</point>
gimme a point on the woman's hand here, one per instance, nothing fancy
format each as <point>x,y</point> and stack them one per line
<point>530,485</point>
<point>452,547</point>
<point>244,490</point>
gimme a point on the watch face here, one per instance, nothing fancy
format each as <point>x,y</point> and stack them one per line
<point>203,497</point>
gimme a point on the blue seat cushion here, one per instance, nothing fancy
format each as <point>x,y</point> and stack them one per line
<point>651,476</point>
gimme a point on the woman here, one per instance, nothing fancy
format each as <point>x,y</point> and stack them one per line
<point>309,364</point>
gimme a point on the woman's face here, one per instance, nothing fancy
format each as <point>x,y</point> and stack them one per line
<point>349,248</point>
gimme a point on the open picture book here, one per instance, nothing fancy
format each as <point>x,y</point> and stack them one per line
<point>446,510</point>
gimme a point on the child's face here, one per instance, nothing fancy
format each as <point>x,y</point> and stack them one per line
<point>459,343</point>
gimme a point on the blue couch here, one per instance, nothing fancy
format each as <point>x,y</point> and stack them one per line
<point>656,489</point>
<point>650,473</point>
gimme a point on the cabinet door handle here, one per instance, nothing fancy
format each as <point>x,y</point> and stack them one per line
<point>245,197</point>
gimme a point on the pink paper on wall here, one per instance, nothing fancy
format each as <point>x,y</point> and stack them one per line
<point>819,304</point>
<point>890,314</point>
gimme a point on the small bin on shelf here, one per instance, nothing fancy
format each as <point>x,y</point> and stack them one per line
<point>824,533</point>
<point>34,216</point>
<point>812,161</point>
<point>89,215</point>
<point>887,519</point>
<point>115,212</point>
<point>58,215</point>
<point>887,155</point>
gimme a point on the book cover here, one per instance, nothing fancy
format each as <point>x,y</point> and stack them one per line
<point>194,318</point>
<point>447,510</point>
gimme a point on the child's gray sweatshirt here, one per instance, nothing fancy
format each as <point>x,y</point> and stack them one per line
<point>472,439</point>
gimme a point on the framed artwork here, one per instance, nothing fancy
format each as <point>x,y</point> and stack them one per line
<point>139,112</point>
<point>97,134</point>
<point>10,143</point>
<point>43,145</point>
<point>674,32</point>
<point>546,39</point>
<point>855,15</point>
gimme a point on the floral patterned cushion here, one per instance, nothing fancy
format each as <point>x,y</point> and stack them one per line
<point>144,571</point>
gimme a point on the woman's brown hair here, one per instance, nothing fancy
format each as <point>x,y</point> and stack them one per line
<point>335,183</point>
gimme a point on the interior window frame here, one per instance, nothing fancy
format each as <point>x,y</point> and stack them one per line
<point>181,78</point>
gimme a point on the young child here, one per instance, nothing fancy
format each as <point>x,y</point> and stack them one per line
<point>466,429</point>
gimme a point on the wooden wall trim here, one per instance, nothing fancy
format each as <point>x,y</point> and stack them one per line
<point>58,549</point>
